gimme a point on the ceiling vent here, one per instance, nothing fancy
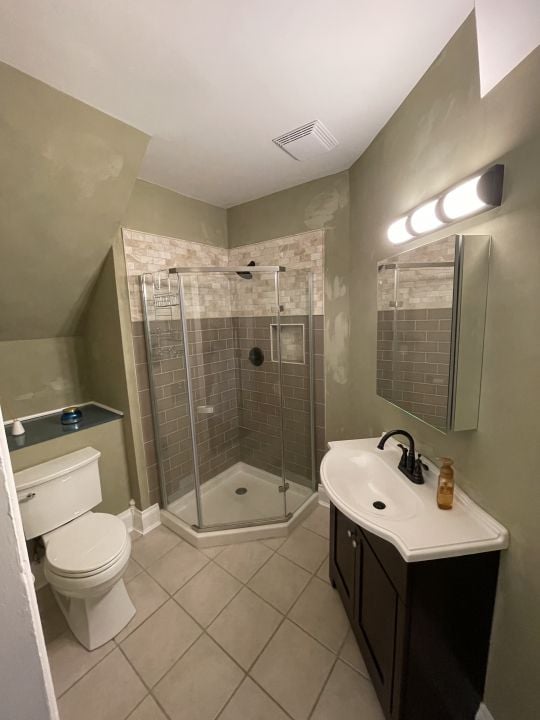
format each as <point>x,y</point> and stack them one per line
<point>307,141</point>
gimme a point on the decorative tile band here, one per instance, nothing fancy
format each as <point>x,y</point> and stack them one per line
<point>222,295</point>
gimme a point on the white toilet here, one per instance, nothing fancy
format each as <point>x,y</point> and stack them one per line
<point>86,553</point>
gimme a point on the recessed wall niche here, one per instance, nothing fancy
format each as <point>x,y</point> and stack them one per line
<point>292,343</point>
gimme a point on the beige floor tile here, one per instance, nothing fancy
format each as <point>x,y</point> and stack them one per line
<point>211,552</point>
<point>274,543</point>
<point>52,620</point>
<point>279,582</point>
<point>133,569</point>
<point>147,596</point>
<point>110,691</point>
<point>319,521</point>
<point>323,573</point>
<point>245,626</point>
<point>176,567</point>
<point>69,660</point>
<point>319,612</point>
<point>147,710</point>
<point>350,653</point>
<point>158,643</point>
<point>347,696</point>
<point>305,548</point>
<point>200,683</point>
<point>148,548</point>
<point>249,702</point>
<point>243,560</point>
<point>292,669</point>
<point>206,594</point>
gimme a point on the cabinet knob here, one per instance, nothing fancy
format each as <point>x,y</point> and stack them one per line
<point>349,533</point>
<point>354,544</point>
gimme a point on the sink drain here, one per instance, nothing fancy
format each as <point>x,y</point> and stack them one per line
<point>379,505</point>
<point>241,491</point>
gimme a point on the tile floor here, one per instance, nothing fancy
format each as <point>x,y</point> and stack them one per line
<point>251,631</point>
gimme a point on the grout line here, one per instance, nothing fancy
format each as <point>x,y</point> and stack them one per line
<point>161,604</point>
<point>68,631</point>
<point>243,584</point>
<point>137,706</point>
<point>325,683</point>
<point>144,684</point>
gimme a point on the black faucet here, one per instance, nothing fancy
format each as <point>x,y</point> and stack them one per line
<point>410,465</point>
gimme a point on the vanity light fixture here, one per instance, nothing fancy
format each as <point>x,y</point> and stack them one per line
<point>482,191</point>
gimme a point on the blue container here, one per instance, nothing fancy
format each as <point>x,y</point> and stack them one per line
<point>71,416</point>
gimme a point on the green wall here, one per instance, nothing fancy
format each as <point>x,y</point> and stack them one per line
<point>104,360</point>
<point>157,210</point>
<point>109,440</point>
<point>441,133</point>
<point>320,204</point>
<point>41,375</point>
<point>67,175</point>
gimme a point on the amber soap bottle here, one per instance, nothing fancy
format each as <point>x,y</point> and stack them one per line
<point>445,490</point>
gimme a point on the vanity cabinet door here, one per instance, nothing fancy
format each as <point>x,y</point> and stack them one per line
<point>376,614</point>
<point>343,558</point>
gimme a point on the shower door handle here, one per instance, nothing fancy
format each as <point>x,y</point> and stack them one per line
<point>205,409</point>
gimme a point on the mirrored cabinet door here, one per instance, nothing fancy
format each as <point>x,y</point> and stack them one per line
<point>431,303</point>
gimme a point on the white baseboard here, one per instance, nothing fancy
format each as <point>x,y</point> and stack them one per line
<point>141,521</point>
<point>483,713</point>
<point>323,497</point>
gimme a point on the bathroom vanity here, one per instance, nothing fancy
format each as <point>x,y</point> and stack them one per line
<point>418,583</point>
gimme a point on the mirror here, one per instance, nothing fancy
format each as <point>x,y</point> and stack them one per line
<point>431,306</point>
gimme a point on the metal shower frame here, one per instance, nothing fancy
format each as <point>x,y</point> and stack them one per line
<point>181,272</point>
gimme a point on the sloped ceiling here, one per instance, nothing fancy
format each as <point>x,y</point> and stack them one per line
<point>66,175</point>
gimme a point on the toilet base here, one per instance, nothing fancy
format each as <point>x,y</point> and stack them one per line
<point>96,620</point>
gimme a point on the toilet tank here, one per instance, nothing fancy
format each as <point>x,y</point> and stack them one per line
<point>57,491</point>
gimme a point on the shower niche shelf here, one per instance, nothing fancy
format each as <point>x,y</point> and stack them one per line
<point>292,343</point>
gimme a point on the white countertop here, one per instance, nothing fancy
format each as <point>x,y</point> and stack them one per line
<point>355,473</point>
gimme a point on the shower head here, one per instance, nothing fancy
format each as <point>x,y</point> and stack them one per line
<point>247,275</point>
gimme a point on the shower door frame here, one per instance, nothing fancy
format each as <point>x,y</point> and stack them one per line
<point>276,270</point>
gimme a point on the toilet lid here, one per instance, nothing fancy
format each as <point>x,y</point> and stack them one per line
<point>86,545</point>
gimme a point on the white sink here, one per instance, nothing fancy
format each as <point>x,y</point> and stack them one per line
<point>364,478</point>
<point>356,475</point>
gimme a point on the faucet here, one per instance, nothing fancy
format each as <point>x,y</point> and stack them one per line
<point>410,465</point>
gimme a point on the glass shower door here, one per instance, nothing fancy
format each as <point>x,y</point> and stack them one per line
<point>234,385</point>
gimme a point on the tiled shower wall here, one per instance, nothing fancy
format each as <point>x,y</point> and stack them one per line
<point>245,423</point>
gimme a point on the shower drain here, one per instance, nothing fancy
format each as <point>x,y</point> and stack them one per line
<point>241,491</point>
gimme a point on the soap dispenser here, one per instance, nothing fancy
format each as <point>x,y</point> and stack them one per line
<point>445,489</point>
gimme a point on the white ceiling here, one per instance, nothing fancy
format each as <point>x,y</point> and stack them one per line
<point>213,81</point>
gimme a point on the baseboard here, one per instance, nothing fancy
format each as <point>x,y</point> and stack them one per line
<point>483,713</point>
<point>323,497</point>
<point>141,522</point>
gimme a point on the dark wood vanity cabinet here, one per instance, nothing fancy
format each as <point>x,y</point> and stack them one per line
<point>423,627</point>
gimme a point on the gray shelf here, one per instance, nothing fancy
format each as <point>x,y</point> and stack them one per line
<point>49,427</point>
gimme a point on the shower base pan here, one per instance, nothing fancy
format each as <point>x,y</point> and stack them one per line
<point>241,494</point>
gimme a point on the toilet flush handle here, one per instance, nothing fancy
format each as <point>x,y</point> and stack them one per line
<point>26,498</point>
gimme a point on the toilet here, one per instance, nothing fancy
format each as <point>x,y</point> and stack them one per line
<point>86,553</point>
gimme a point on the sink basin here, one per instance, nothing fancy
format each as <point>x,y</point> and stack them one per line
<point>369,485</point>
<point>364,483</point>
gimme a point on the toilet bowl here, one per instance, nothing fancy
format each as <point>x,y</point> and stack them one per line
<point>86,553</point>
<point>84,564</point>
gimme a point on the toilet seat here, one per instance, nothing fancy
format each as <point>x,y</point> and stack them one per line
<point>86,546</point>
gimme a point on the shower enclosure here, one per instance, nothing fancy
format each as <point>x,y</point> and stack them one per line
<point>230,357</point>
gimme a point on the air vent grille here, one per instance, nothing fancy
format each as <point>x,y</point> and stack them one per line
<point>306,141</point>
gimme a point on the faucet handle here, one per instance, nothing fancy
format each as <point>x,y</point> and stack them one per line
<point>418,476</point>
<point>404,456</point>
<point>423,464</point>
